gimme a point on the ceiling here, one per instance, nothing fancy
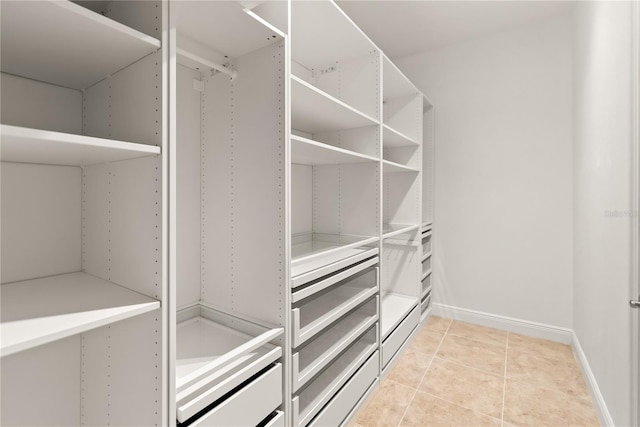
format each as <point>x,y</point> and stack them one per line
<point>403,28</point>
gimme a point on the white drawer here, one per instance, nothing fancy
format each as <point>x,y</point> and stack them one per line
<point>346,399</point>
<point>394,341</point>
<point>426,266</point>
<point>277,421</point>
<point>250,405</point>
<point>312,315</point>
<point>425,303</point>
<point>426,285</point>
<point>426,246</point>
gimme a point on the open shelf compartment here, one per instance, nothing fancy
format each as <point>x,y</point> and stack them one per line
<point>26,145</point>
<point>67,45</point>
<point>394,308</point>
<point>426,285</point>
<point>313,315</point>
<point>313,357</point>
<point>305,151</point>
<point>315,396</point>
<point>217,352</point>
<point>40,311</point>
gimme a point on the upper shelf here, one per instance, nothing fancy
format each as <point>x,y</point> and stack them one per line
<point>40,311</point>
<point>323,34</point>
<point>394,138</point>
<point>28,145</point>
<point>313,110</point>
<point>391,167</point>
<point>62,43</point>
<point>305,151</point>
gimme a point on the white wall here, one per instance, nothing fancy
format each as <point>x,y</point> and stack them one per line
<point>601,181</point>
<point>503,216</point>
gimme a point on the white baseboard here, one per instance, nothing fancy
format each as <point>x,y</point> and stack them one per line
<point>598,399</point>
<point>518,326</point>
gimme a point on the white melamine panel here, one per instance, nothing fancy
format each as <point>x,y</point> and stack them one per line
<point>144,16</point>
<point>41,387</point>
<point>122,373</point>
<point>390,230</point>
<point>135,98</point>
<point>41,225</point>
<point>404,114</point>
<point>322,34</point>
<point>313,398</point>
<point>244,132</point>
<point>364,140</point>
<point>26,145</point>
<point>356,82</point>
<point>301,198</point>
<point>401,268</point>
<point>38,311</point>
<point>218,24</point>
<point>348,397</point>
<point>392,167</point>
<point>39,105</point>
<point>393,309</point>
<point>345,199</point>
<point>316,253</point>
<point>96,214</point>
<point>394,83</point>
<point>360,255</point>
<point>401,198</point>
<point>394,341</point>
<point>393,138</point>
<point>308,152</point>
<point>428,165</point>
<point>96,110</point>
<point>313,110</point>
<point>188,187</point>
<point>406,156</point>
<point>70,46</point>
<point>275,12</point>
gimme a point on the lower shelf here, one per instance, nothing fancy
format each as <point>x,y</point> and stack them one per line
<point>394,308</point>
<point>40,311</point>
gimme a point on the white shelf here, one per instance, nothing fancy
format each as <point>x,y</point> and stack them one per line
<point>427,255</point>
<point>67,44</point>
<point>313,110</point>
<point>425,274</point>
<point>391,167</point>
<point>28,145</point>
<point>314,251</point>
<point>394,308</point>
<point>390,230</point>
<point>40,311</point>
<point>395,84</point>
<point>306,151</point>
<point>394,138</point>
<point>313,398</point>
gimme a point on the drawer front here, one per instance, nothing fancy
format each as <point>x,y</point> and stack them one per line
<point>346,399</point>
<point>394,341</point>
<point>277,421</point>
<point>426,244</point>
<point>426,265</point>
<point>426,285</point>
<point>250,405</point>
<point>425,304</point>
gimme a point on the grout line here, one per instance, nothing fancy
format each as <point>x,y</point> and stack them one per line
<point>504,384</point>
<point>475,368</point>
<point>461,406</point>
<point>425,374</point>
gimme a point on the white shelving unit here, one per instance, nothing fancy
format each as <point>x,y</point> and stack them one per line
<point>83,254</point>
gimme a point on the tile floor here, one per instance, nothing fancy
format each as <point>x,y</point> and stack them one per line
<point>458,374</point>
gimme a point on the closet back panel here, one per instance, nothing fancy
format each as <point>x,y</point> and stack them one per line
<point>244,188</point>
<point>401,198</point>
<point>364,140</point>
<point>34,104</point>
<point>121,380</point>
<point>122,220</point>
<point>401,272</point>
<point>40,220</point>
<point>301,199</point>
<point>127,106</point>
<point>188,183</point>
<point>43,393</point>
<point>404,114</point>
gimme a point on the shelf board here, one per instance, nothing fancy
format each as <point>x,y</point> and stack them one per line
<point>27,145</point>
<point>394,138</point>
<point>319,250</point>
<point>394,308</point>
<point>65,44</point>
<point>391,167</point>
<point>40,311</point>
<point>390,230</point>
<point>425,256</point>
<point>306,151</point>
<point>395,83</point>
<point>425,274</point>
<point>313,110</point>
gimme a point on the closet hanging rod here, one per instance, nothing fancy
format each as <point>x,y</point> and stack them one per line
<point>206,63</point>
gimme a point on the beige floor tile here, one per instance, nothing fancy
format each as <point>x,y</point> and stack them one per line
<point>557,374</point>
<point>554,350</point>
<point>426,341</point>
<point>478,333</point>
<point>386,406</point>
<point>410,368</point>
<point>527,404</point>
<point>486,357</point>
<point>465,386</point>
<point>437,324</point>
<point>428,410</point>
